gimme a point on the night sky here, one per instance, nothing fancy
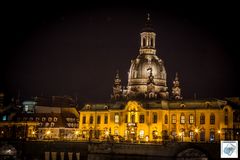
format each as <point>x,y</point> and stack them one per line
<point>75,50</point>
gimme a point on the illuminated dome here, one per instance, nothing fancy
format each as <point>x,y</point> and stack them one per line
<point>147,74</point>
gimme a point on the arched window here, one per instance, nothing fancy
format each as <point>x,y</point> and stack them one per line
<point>182,118</point>
<point>226,116</point>
<point>52,124</point>
<point>191,119</point>
<point>202,119</point>
<point>141,134</point>
<point>141,118</point>
<point>202,135</point>
<point>144,42</point>
<point>191,135</point>
<point>166,119</point>
<point>174,119</point>
<point>133,118</point>
<point>212,118</point>
<point>212,135</point>
<point>55,119</point>
<point>154,117</point>
<point>49,119</point>
<point>116,118</point>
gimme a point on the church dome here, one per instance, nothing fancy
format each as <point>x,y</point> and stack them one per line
<point>147,75</point>
<point>139,68</point>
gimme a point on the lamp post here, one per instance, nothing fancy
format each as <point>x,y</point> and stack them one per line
<point>181,136</point>
<point>219,132</point>
<point>76,133</point>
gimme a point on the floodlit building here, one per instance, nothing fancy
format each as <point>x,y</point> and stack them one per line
<point>145,111</point>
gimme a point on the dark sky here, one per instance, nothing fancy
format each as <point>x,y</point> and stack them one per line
<point>76,50</point>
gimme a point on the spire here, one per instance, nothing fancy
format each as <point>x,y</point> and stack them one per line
<point>117,87</point>
<point>176,77</point>
<point>176,90</point>
<point>148,18</point>
<point>148,25</point>
<point>117,80</point>
<point>148,37</point>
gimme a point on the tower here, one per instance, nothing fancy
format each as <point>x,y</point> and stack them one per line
<point>176,90</point>
<point>138,75</point>
<point>117,88</point>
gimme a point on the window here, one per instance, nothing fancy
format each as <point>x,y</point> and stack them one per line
<point>52,124</point>
<point>154,117</point>
<point>37,118</point>
<point>133,118</point>
<point>49,119</point>
<point>191,119</point>
<point>141,119</point>
<point>98,119</point>
<point>55,119</point>
<point>4,118</point>
<point>182,118</point>
<point>141,134</point>
<point>152,42</point>
<point>166,119</point>
<point>202,119</point>
<point>84,120</point>
<point>191,135</point>
<point>212,135</point>
<point>212,118</point>
<point>43,119</point>
<point>144,42</point>
<point>116,118</point>
<point>226,117</point>
<point>105,119</point>
<point>174,119</point>
<point>126,118</point>
<point>202,135</point>
<point>91,120</point>
<point>116,132</point>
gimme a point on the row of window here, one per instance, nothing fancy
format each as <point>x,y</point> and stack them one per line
<point>46,124</point>
<point>155,119</point>
<point>98,120</point>
<point>43,119</point>
<point>191,119</point>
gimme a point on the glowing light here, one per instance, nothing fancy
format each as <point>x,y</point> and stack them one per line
<point>219,131</point>
<point>76,132</point>
<point>48,132</point>
<point>33,132</point>
<point>180,134</point>
<point>196,130</point>
<point>106,133</point>
<point>147,138</point>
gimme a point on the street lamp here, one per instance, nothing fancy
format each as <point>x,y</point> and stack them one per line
<point>181,136</point>
<point>76,134</point>
<point>219,132</point>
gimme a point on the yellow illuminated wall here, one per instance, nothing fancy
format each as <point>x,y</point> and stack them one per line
<point>135,123</point>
